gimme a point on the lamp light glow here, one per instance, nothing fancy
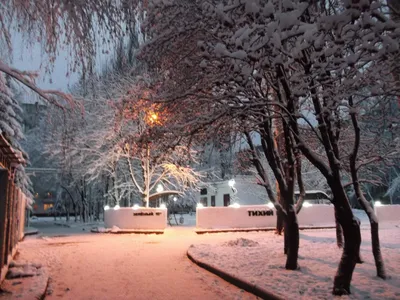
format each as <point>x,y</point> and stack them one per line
<point>116,207</point>
<point>106,207</point>
<point>235,205</point>
<point>154,117</point>
<point>270,205</point>
<point>163,206</point>
<point>135,206</point>
<point>200,205</point>
<point>307,204</point>
<point>160,188</point>
<point>378,203</point>
<point>231,182</point>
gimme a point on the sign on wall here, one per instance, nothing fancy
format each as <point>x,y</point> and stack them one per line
<point>260,213</point>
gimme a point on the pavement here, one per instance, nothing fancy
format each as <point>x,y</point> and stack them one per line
<point>176,239</point>
<point>133,260</point>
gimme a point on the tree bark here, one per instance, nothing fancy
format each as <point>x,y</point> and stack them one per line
<point>279,222</point>
<point>339,231</point>
<point>280,217</point>
<point>352,239</point>
<point>291,233</point>
<point>376,250</point>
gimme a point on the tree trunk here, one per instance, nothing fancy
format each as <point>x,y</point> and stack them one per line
<point>376,250</point>
<point>352,239</point>
<point>98,210</point>
<point>339,231</point>
<point>291,233</point>
<point>279,222</point>
<point>75,211</point>
<point>285,237</point>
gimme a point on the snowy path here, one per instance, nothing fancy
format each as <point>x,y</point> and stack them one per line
<point>103,266</point>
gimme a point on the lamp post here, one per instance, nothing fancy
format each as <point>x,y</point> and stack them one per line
<point>159,189</point>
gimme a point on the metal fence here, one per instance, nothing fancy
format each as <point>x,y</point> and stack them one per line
<point>12,218</point>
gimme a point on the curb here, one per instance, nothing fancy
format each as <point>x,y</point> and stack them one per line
<point>62,224</point>
<point>130,232</point>
<point>242,284</point>
<point>31,232</point>
<point>203,231</point>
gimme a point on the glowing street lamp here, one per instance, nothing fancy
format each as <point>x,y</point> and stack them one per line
<point>116,207</point>
<point>175,199</point>
<point>160,188</point>
<point>231,182</point>
<point>154,117</point>
<point>106,207</point>
<point>378,203</point>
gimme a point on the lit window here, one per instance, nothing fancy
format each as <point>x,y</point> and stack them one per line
<point>47,206</point>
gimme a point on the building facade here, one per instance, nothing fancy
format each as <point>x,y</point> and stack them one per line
<point>244,190</point>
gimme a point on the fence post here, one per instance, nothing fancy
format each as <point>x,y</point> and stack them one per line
<point>3,220</point>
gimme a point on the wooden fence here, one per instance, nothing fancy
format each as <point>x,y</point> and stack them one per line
<point>12,218</point>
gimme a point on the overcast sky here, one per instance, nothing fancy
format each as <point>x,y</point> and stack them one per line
<point>31,59</point>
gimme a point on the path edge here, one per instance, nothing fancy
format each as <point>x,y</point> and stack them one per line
<point>240,283</point>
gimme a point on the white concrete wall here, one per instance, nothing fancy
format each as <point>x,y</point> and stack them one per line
<point>138,218</point>
<point>387,213</point>
<point>241,217</point>
<point>232,217</point>
<point>317,215</point>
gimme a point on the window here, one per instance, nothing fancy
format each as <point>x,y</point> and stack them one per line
<point>203,192</point>
<point>203,200</point>
<point>47,206</point>
<point>213,201</point>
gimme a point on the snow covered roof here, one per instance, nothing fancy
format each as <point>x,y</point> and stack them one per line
<point>9,153</point>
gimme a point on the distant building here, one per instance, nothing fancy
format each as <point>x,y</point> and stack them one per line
<point>44,183</point>
<point>246,191</point>
<point>33,110</point>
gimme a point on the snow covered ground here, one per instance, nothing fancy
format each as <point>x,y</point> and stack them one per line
<point>128,266</point>
<point>259,259</point>
<point>86,265</point>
